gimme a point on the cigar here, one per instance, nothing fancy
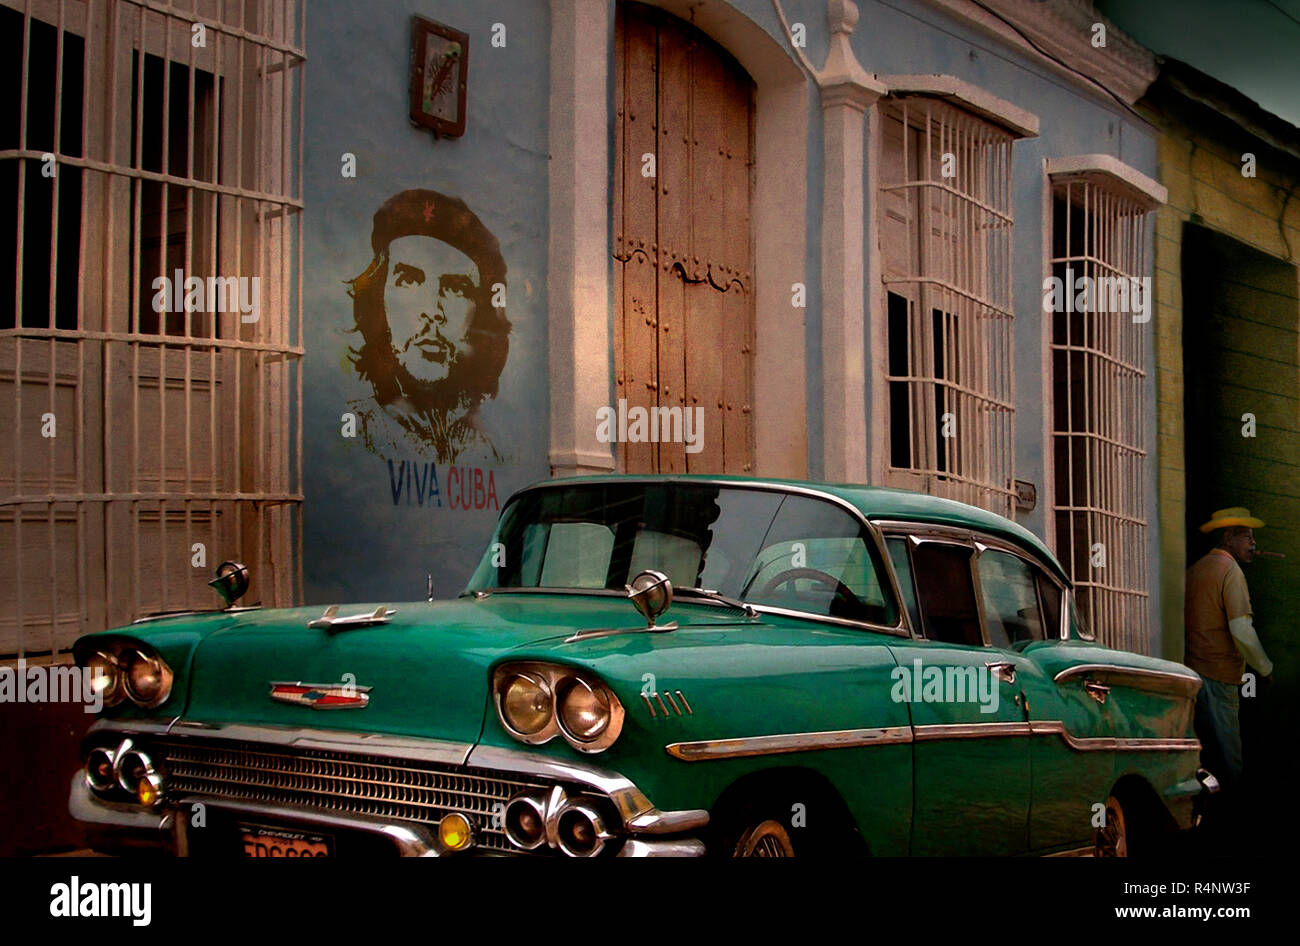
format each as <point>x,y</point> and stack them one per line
<point>1270,554</point>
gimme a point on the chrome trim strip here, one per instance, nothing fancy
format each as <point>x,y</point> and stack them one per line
<point>668,822</point>
<point>401,747</point>
<point>684,848</point>
<point>410,840</point>
<point>1153,681</point>
<point>705,750</point>
<point>971,731</point>
<point>970,535</point>
<point>827,619</point>
<point>787,742</point>
<point>1114,743</point>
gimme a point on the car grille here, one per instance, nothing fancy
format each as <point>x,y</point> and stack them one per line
<point>392,789</point>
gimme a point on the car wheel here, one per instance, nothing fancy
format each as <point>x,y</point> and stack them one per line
<point>765,839</point>
<point>1112,838</point>
<point>1136,826</point>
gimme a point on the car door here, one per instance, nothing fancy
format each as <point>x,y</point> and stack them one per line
<point>971,736</point>
<point>1022,607</point>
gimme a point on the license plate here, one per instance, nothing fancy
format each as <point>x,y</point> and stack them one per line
<point>261,841</point>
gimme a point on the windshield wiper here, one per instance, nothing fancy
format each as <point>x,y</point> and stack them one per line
<point>709,595</point>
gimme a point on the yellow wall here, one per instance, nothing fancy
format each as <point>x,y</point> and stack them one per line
<point>1206,186</point>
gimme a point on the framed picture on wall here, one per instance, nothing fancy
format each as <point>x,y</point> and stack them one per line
<point>439,77</point>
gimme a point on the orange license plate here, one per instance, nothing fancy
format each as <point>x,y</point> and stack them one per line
<point>260,841</point>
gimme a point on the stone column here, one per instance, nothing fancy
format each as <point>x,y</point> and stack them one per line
<point>847,91</point>
<point>578,265</point>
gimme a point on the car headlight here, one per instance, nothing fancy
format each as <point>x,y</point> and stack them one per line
<point>127,669</point>
<point>526,704</point>
<point>538,701</point>
<point>584,710</point>
<point>148,681</point>
<point>106,677</point>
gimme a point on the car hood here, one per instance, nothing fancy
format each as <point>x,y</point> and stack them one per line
<point>427,668</point>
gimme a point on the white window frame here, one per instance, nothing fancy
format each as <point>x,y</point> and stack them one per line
<point>1106,505</point>
<point>966,279</point>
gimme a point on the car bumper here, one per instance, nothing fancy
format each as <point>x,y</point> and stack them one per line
<point>636,828</point>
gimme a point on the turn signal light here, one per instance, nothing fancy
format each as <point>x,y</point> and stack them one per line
<point>455,833</point>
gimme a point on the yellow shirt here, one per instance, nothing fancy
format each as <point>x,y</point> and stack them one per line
<point>1216,593</point>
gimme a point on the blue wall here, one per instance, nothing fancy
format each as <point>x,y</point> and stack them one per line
<point>359,543</point>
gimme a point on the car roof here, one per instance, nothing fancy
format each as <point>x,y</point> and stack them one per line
<point>873,502</point>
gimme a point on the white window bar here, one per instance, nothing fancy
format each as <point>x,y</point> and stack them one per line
<point>176,427</point>
<point>1099,428</point>
<point>946,183</point>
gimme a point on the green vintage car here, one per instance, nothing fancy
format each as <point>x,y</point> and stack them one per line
<point>645,666</point>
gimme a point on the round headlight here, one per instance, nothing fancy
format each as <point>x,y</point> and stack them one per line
<point>146,678</point>
<point>105,677</point>
<point>584,710</point>
<point>526,705</point>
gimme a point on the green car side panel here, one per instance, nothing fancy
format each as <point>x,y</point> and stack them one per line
<point>1069,782</point>
<point>972,795</point>
<point>768,677</point>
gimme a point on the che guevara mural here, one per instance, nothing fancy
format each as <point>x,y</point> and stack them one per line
<point>431,331</point>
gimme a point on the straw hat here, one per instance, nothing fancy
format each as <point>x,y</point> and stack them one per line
<point>1232,516</point>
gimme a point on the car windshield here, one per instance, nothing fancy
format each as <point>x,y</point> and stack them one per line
<point>763,547</point>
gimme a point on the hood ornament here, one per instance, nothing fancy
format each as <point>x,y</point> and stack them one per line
<point>330,620</point>
<point>231,582</point>
<point>650,593</point>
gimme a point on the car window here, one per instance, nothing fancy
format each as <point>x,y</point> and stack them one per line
<point>946,593</point>
<point>1079,629</point>
<point>570,554</point>
<point>898,554</point>
<point>677,556</point>
<point>1010,591</point>
<point>1049,594</point>
<point>599,535</point>
<point>818,558</point>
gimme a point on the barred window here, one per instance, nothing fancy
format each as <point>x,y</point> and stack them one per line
<point>945,188</point>
<point>1099,432</point>
<point>150,330</point>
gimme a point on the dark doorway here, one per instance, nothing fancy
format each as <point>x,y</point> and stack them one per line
<point>1242,423</point>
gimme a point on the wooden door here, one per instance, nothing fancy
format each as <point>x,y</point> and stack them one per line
<point>684,322</point>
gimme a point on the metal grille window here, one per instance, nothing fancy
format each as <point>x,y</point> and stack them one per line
<point>1099,434</point>
<point>946,266</point>
<point>150,308</point>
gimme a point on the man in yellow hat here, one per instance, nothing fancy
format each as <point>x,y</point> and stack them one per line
<point>1221,639</point>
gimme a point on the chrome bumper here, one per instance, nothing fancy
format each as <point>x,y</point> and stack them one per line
<point>121,827</point>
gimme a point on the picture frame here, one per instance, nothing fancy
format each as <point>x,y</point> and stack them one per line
<point>439,77</point>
